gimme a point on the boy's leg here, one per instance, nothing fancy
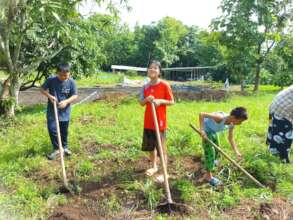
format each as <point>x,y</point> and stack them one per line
<point>51,124</point>
<point>210,155</point>
<point>64,125</point>
<point>215,138</point>
<point>64,133</point>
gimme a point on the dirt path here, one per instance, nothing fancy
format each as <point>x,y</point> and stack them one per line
<point>96,199</point>
<point>33,96</point>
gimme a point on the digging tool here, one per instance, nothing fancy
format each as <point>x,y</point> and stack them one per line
<point>170,206</point>
<point>229,158</point>
<point>67,188</point>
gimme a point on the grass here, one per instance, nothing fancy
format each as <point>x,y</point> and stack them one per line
<point>24,143</point>
<point>101,78</point>
<point>104,79</point>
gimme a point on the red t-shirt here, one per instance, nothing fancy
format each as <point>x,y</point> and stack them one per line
<point>160,91</point>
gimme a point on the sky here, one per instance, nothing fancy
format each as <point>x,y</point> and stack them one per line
<point>190,12</point>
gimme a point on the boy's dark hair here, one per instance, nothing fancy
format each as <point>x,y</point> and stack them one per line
<point>63,67</point>
<point>239,113</point>
<point>156,62</point>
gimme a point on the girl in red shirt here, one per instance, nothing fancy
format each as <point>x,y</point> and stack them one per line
<point>159,92</point>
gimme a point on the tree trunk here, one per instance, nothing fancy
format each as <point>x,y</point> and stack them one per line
<point>257,78</point>
<point>258,64</point>
<point>242,86</point>
<point>9,97</point>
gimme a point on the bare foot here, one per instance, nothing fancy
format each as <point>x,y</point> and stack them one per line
<point>160,178</point>
<point>151,171</point>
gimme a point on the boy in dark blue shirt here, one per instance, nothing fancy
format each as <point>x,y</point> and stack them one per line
<point>63,90</point>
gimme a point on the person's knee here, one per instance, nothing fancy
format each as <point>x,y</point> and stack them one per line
<point>51,127</point>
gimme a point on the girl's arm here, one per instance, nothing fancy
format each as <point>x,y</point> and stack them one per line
<point>233,144</point>
<point>143,100</point>
<point>159,102</point>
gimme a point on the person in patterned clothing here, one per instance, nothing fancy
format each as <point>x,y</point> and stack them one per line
<point>280,131</point>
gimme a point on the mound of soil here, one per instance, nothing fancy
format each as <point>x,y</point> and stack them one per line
<point>208,95</point>
<point>278,209</point>
<point>75,211</point>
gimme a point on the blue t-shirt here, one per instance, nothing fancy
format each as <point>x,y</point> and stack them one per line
<point>62,90</point>
<point>210,126</point>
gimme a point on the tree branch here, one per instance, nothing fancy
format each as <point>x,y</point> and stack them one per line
<point>8,56</point>
<point>1,44</point>
<point>41,73</point>
<point>22,28</point>
<point>32,83</point>
<point>35,64</point>
<point>269,48</point>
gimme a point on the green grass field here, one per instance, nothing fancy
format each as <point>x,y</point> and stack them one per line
<point>105,137</point>
<point>105,79</point>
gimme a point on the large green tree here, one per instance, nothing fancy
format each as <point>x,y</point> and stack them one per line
<point>280,62</point>
<point>144,39</point>
<point>171,32</point>
<point>32,33</point>
<point>253,27</point>
<point>159,41</point>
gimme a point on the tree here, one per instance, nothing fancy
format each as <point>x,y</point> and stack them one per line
<point>119,44</point>
<point>282,55</point>
<point>254,26</point>
<point>170,31</point>
<point>32,33</point>
<point>158,41</point>
<point>144,39</point>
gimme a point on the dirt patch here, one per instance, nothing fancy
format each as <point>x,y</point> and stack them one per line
<point>112,97</point>
<point>87,119</point>
<point>117,94</point>
<point>278,209</point>
<point>108,198</point>
<point>210,95</point>
<point>76,211</point>
<point>110,190</point>
<point>93,147</point>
